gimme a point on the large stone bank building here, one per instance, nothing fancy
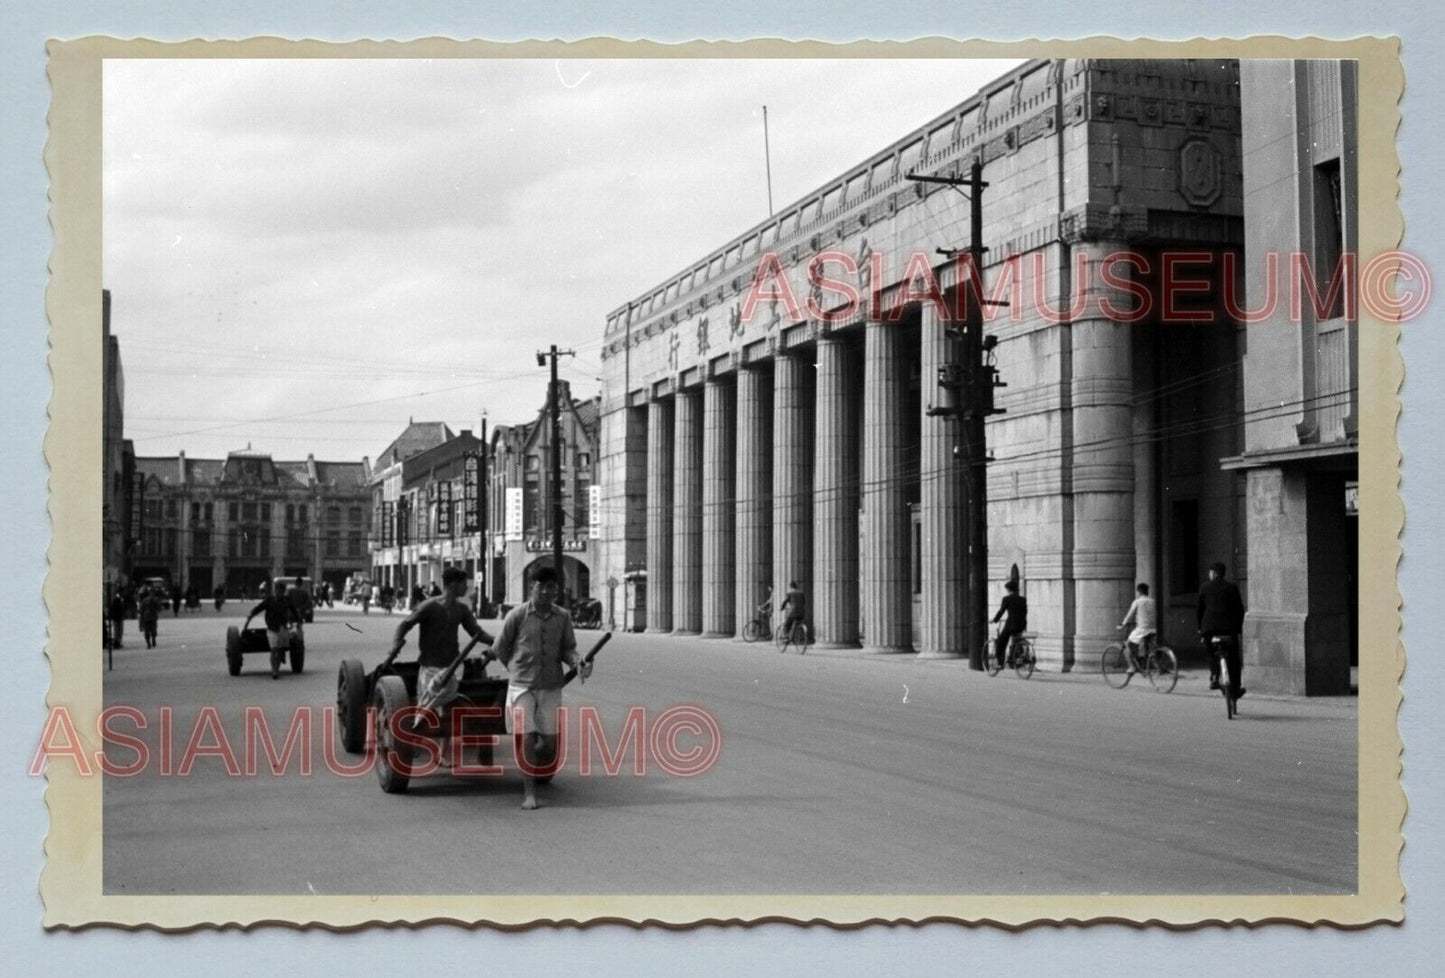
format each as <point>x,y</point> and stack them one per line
<point>742,448</point>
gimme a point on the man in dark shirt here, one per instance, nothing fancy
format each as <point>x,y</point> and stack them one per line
<point>439,618</point>
<point>1221,613</point>
<point>278,615</point>
<point>1014,609</point>
<point>795,604</point>
<point>117,618</point>
<point>301,603</point>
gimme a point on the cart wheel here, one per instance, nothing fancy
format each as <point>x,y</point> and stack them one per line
<point>233,651</point>
<point>297,652</point>
<point>393,758</point>
<point>351,705</point>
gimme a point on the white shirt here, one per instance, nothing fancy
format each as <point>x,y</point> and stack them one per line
<point>1145,617</point>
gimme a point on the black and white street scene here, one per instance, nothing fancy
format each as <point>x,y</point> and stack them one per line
<point>731,477</point>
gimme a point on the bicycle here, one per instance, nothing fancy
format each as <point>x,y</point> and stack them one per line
<point>1218,648</point>
<point>758,629</point>
<point>1157,661</point>
<point>1020,657</point>
<point>796,634</point>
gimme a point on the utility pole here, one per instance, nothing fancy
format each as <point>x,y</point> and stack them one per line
<point>556,440</point>
<point>966,392</point>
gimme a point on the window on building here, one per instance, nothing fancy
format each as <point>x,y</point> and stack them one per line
<point>266,513</point>
<point>264,535</point>
<point>170,537</point>
<point>333,543</point>
<point>534,463</point>
<point>333,514</point>
<point>248,512</point>
<point>210,511</point>
<point>301,513</point>
<point>231,512</point>
<point>354,514</point>
<point>154,509</point>
<point>201,544</point>
<point>584,460</point>
<point>195,512</point>
<point>1329,234</point>
<point>290,513</point>
<point>1183,546</point>
<point>531,506</point>
<point>152,541</point>
<point>295,542</point>
<point>171,510</point>
<point>353,545</point>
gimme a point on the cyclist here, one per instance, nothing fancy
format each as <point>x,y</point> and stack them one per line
<point>1016,607</point>
<point>1145,618</point>
<point>794,604</point>
<point>765,610</point>
<point>1221,613</point>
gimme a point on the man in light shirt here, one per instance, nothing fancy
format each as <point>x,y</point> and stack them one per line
<point>535,643</point>
<point>1145,618</point>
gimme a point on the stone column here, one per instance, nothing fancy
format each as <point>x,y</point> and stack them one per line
<point>1102,387</point>
<point>793,478</point>
<point>942,501</point>
<point>885,544</point>
<point>659,516</point>
<point>754,542</point>
<point>277,530</point>
<point>835,498</point>
<point>719,509</point>
<point>220,543</point>
<point>1146,454</point>
<point>687,514</point>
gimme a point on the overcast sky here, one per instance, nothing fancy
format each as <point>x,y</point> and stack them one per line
<point>302,255</point>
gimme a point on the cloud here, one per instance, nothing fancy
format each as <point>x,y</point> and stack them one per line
<point>377,229</point>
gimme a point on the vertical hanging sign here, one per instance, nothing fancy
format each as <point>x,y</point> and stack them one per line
<point>514,514</point>
<point>444,509</point>
<point>471,497</point>
<point>594,512</point>
<point>384,520</point>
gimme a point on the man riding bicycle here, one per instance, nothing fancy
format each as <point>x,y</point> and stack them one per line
<point>794,605</point>
<point>1014,609</point>
<point>1145,618</point>
<point>1221,615</point>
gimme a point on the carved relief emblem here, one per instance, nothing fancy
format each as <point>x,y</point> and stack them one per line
<point>735,320</point>
<point>702,345</point>
<point>1200,177</point>
<point>865,265</point>
<point>672,345</point>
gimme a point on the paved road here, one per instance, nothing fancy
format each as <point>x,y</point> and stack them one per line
<point>836,775</point>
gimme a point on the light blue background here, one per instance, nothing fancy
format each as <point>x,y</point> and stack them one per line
<point>712,951</point>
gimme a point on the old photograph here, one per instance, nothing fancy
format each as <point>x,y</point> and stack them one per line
<point>874,488</point>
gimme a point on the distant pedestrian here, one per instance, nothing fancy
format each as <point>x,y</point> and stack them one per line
<point>220,596</point>
<point>117,618</point>
<point>175,600</point>
<point>436,590</point>
<point>417,597</point>
<point>148,614</point>
<point>365,599</point>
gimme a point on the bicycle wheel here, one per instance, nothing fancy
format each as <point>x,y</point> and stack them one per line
<point>1024,658</point>
<point>1115,666</point>
<point>1226,685</point>
<point>781,636</point>
<point>801,638</point>
<point>752,631</point>
<point>1163,669</point>
<point>991,664</point>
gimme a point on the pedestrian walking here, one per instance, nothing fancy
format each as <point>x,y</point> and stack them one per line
<point>117,619</point>
<point>220,596</point>
<point>536,641</point>
<point>175,600</point>
<point>149,614</point>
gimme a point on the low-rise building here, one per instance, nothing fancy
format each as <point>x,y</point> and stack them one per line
<point>248,518</point>
<point>520,505</point>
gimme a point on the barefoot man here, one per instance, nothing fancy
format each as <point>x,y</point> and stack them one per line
<point>535,643</point>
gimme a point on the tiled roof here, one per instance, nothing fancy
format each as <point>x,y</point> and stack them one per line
<point>588,412</point>
<point>343,475</point>
<point>164,470</point>
<point>418,437</point>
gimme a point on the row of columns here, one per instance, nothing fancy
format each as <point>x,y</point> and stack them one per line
<point>759,480</point>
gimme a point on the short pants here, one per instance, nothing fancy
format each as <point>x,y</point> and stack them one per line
<point>280,641</point>
<point>424,677</point>
<point>538,707</point>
